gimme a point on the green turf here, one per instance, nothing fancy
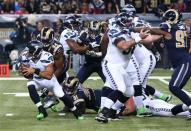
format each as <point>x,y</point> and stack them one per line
<point>24,113</point>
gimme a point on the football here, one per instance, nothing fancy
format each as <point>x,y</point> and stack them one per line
<point>22,72</point>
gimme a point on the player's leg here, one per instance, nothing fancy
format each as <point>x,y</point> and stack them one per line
<point>179,78</point>
<point>152,91</point>
<point>84,72</point>
<point>98,69</point>
<point>134,74</point>
<point>32,88</point>
<point>106,90</point>
<point>115,78</point>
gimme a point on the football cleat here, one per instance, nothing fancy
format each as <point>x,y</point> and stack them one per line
<point>142,112</point>
<point>113,116</point>
<point>165,97</point>
<point>103,115</point>
<point>50,101</point>
<point>77,114</point>
<point>40,116</point>
<point>42,113</point>
<point>189,117</point>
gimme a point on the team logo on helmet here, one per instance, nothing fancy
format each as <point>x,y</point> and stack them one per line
<point>35,48</point>
<point>47,36</point>
<point>172,16</point>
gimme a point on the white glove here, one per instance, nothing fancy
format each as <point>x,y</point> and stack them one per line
<point>157,56</point>
<point>93,53</point>
<point>136,37</point>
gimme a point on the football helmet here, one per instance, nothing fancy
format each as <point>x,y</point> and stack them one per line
<point>124,19</point>
<point>73,22</point>
<point>141,23</point>
<point>35,48</point>
<point>94,29</point>
<point>47,36</point>
<point>172,16</point>
<point>70,85</point>
<point>129,9</point>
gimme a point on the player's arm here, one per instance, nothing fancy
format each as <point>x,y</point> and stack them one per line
<point>154,30</point>
<point>59,61</point>
<point>104,43</point>
<point>46,74</point>
<point>151,38</point>
<point>76,48</point>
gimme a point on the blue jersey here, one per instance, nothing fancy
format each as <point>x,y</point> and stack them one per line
<point>177,46</point>
<point>91,97</point>
<point>86,39</point>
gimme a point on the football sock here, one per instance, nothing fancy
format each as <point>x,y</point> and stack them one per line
<point>34,95</point>
<point>67,100</point>
<point>138,98</point>
<point>105,92</point>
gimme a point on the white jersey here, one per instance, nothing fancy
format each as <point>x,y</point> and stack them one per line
<point>112,23</point>
<point>115,55</point>
<point>46,58</point>
<point>67,34</point>
<point>141,53</point>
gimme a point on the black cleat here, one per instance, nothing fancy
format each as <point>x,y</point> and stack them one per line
<point>78,114</point>
<point>103,115</point>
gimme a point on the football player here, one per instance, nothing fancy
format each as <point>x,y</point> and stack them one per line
<point>120,47</point>
<point>39,69</point>
<point>51,45</point>
<point>82,97</point>
<point>69,37</point>
<point>179,56</point>
<point>93,57</point>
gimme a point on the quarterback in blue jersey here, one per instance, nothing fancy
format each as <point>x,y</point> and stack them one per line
<point>181,60</point>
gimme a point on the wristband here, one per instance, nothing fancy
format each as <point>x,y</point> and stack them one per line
<point>138,39</point>
<point>37,71</point>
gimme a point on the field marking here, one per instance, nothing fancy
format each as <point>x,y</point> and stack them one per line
<point>167,83</point>
<point>24,94</point>
<point>9,114</point>
<point>90,78</point>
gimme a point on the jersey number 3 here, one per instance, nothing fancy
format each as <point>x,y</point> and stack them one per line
<point>181,41</point>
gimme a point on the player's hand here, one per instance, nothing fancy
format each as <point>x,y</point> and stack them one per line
<point>28,71</point>
<point>143,34</point>
<point>189,51</point>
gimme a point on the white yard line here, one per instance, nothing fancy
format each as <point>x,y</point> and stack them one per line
<point>166,82</point>
<point>9,114</point>
<point>90,78</point>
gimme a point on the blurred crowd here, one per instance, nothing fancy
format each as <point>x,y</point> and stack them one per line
<point>87,6</point>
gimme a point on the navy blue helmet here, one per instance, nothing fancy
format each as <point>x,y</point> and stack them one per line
<point>35,48</point>
<point>129,9</point>
<point>172,16</point>
<point>124,19</point>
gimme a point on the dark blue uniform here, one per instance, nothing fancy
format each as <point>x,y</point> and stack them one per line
<point>56,49</point>
<point>91,97</point>
<point>181,60</point>
<point>92,64</point>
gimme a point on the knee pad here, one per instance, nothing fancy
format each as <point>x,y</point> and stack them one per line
<point>106,91</point>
